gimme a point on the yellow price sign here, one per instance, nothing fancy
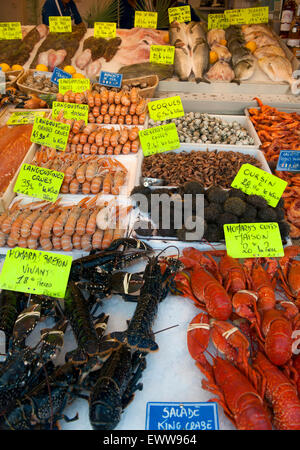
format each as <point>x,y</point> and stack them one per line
<point>255,181</point>
<point>217,21</point>
<point>166,108</point>
<point>50,133</point>
<point>76,85</point>
<point>71,111</point>
<point>145,19</point>
<point>105,30</point>
<point>10,30</point>
<point>180,14</point>
<point>253,240</point>
<point>60,24</point>
<point>36,272</point>
<point>24,117</point>
<point>257,15</point>
<point>39,182</point>
<point>236,16</point>
<point>162,54</point>
<point>159,139</point>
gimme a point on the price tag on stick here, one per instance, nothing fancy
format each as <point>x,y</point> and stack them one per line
<point>35,272</point>
<point>159,139</point>
<point>166,108</point>
<point>39,182</point>
<point>50,133</point>
<point>255,181</point>
<point>253,240</point>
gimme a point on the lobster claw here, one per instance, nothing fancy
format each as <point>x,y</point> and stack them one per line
<point>25,323</point>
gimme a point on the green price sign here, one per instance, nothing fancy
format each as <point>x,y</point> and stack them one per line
<point>71,111</point>
<point>159,139</point>
<point>166,108</point>
<point>50,133</point>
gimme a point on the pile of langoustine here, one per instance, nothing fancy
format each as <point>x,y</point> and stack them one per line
<point>92,139</point>
<point>52,226</point>
<point>110,107</point>
<point>258,381</point>
<point>86,175</point>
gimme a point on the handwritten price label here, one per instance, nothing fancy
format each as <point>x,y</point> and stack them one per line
<point>36,272</point>
<point>71,111</point>
<point>218,21</point>
<point>236,16</point>
<point>10,30</point>
<point>257,15</point>
<point>50,133</point>
<point>252,180</point>
<point>162,54</point>
<point>159,139</point>
<point>38,182</point>
<point>253,240</point>
<point>24,117</point>
<point>180,14</point>
<point>74,85</point>
<point>289,160</point>
<point>145,19</point>
<point>166,108</point>
<point>105,30</point>
<point>60,24</point>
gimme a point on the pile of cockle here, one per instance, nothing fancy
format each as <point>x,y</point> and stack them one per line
<point>34,390</point>
<point>201,128</point>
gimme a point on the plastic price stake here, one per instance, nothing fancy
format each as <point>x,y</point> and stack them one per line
<point>236,16</point>
<point>218,21</point>
<point>253,240</point>
<point>41,73</point>
<point>39,182</point>
<point>166,108</point>
<point>257,15</point>
<point>182,416</point>
<point>10,30</point>
<point>71,111</point>
<point>59,74</point>
<point>105,30</point>
<point>255,181</point>
<point>180,14</point>
<point>145,19</point>
<point>75,85</point>
<point>35,272</point>
<point>159,139</point>
<point>24,117</point>
<point>289,160</point>
<point>2,82</point>
<point>110,79</point>
<point>50,133</point>
<point>162,54</point>
<point>60,24</point>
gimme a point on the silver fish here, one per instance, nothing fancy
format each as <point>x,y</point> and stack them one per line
<point>195,31</point>
<point>178,32</point>
<point>182,63</point>
<point>240,54</point>
<point>244,69</point>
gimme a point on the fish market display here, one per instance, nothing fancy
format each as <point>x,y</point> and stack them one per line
<point>28,101</point>
<point>14,145</point>
<point>89,175</point>
<point>163,71</point>
<point>207,167</point>
<point>242,60</point>
<point>41,83</point>
<point>219,57</point>
<point>220,71</point>
<point>206,129</point>
<point>278,69</point>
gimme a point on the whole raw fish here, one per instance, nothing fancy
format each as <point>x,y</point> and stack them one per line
<point>200,61</point>
<point>215,36</point>
<point>244,69</point>
<point>279,69</point>
<point>220,71</point>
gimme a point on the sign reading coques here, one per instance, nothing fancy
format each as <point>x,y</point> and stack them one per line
<point>166,108</point>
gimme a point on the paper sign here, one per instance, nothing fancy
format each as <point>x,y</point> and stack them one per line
<point>253,240</point>
<point>74,111</point>
<point>236,16</point>
<point>2,82</point>
<point>111,79</point>
<point>74,85</point>
<point>289,160</point>
<point>59,74</point>
<point>35,272</point>
<point>255,181</point>
<point>257,15</point>
<point>182,416</point>
<point>41,73</point>
<point>23,117</point>
<point>60,24</point>
<point>180,14</point>
<point>50,133</point>
<point>39,182</point>
<point>159,139</point>
<point>217,21</point>
<point>105,30</point>
<point>10,30</point>
<point>145,19</point>
<point>162,54</point>
<point>166,108</point>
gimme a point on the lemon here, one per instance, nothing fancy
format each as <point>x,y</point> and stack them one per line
<point>78,75</point>
<point>251,45</point>
<point>166,38</point>
<point>41,68</point>
<point>213,57</point>
<point>223,42</point>
<point>5,67</point>
<point>70,69</point>
<point>17,67</point>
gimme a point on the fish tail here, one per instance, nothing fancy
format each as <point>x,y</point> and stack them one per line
<point>295,86</point>
<point>204,80</point>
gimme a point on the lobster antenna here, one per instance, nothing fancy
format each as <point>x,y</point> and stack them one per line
<point>169,246</point>
<point>50,400</point>
<point>165,329</point>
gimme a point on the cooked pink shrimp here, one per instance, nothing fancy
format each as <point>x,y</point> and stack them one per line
<point>86,243</point>
<point>66,243</point>
<point>86,187</point>
<point>46,244</point>
<point>59,224</point>
<point>32,242</point>
<point>76,241</point>
<point>56,241</point>
<point>74,215</point>
<point>74,186</point>
<point>48,224</point>
<point>97,239</point>
<point>82,221</point>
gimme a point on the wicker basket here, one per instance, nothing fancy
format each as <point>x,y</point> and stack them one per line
<point>17,74</point>
<point>148,92</point>
<point>22,87</point>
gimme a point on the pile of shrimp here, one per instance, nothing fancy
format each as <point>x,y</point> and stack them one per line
<point>86,175</point>
<point>83,226</point>
<point>291,201</point>
<point>110,107</point>
<point>277,130</point>
<point>92,139</point>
